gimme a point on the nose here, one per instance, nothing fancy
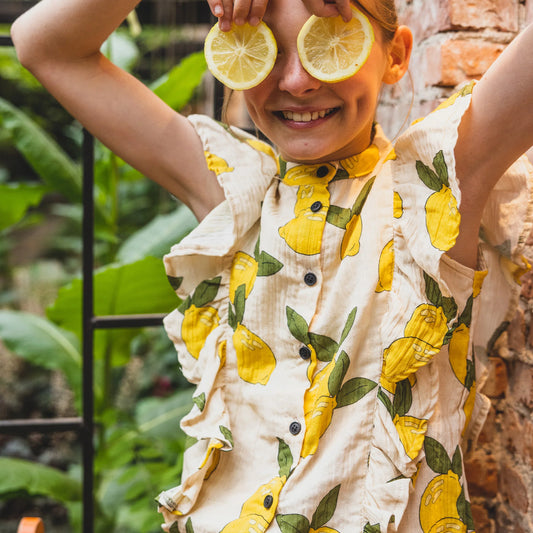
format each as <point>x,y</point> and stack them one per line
<point>294,79</point>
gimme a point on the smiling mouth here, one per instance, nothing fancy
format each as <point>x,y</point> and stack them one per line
<point>307,116</point>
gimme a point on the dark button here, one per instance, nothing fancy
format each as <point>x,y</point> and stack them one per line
<point>268,501</point>
<point>305,352</point>
<point>322,171</point>
<point>295,428</point>
<point>310,279</point>
<point>317,206</point>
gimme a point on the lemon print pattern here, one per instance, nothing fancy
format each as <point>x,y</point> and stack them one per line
<point>442,213</point>
<point>199,319</point>
<point>217,164</point>
<point>386,267</point>
<point>255,359</point>
<point>325,511</point>
<point>303,234</point>
<point>443,506</point>
<point>423,338</point>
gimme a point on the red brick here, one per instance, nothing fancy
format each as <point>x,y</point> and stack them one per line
<point>482,475</point>
<point>481,519</point>
<point>527,281</point>
<point>494,14</point>
<point>497,379</point>
<point>521,383</point>
<point>436,17</point>
<point>464,60</point>
<point>490,431</point>
<point>514,489</point>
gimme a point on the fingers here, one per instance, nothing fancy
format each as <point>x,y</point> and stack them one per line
<point>238,11</point>
<point>330,8</point>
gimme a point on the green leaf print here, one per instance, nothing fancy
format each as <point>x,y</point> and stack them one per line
<point>206,292</point>
<point>292,523</point>
<point>403,398</point>
<point>338,216</point>
<point>339,371</point>
<point>175,283</point>
<point>232,319</point>
<point>428,176</point>
<point>268,265</point>
<point>297,326</point>
<point>353,390</point>
<point>361,198</point>
<point>190,441</point>
<point>470,374</point>
<point>325,347</point>
<point>174,528</point>
<point>240,303</point>
<point>326,508</point>
<point>227,434</point>
<point>199,401</point>
<point>376,528</point>
<point>457,462</point>
<point>434,295</point>
<point>185,305</point>
<point>436,456</point>
<point>466,315</point>
<point>285,459</point>
<point>349,323</point>
<point>188,526</point>
<point>382,395</point>
<point>465,511</point>
<point>440,166</point>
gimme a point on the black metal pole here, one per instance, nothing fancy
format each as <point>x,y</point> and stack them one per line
<point>88,333</point>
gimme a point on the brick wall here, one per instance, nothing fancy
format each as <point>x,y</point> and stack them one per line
<point>456,41</point>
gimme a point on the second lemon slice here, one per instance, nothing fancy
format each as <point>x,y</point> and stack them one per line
<point>242,57</point>
<point>332,50</point>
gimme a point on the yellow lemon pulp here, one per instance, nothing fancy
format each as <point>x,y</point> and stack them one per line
<point>332,50</point>
<point>442,219</point>
<point>242,57</point>
<point>439,502</point>
<point>198,322</point>
<point>243,272</point>
<point>255,360</point>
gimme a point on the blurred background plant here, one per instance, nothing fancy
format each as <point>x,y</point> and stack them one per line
<point>139,393</point>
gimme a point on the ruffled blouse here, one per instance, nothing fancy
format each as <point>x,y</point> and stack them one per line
<point>336,349</point>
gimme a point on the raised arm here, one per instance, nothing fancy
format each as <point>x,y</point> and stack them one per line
<point>495,131</point>
<point>59,42</point>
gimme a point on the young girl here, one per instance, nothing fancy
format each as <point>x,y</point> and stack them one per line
<point>337,301</point>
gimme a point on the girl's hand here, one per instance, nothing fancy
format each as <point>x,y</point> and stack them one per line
<point>238,11</point>
<point>329,8</point>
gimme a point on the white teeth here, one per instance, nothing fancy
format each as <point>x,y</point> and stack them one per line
<point>307,116</point>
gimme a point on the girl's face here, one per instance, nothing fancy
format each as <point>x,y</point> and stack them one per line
<point>308,120</point>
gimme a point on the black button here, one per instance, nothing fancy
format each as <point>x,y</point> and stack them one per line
<point>295,428</point>
<point>268,501</point>
<point>310,279</point>
<point>305,352</point>
<point>322,171</point>
<point>317,206</point>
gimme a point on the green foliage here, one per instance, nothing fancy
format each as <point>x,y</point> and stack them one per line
<point>139,445</point>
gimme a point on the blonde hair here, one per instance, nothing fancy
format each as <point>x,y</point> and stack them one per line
<point>384,13</point>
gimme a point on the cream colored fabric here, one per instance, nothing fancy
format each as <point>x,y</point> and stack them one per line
<point>330,337</point>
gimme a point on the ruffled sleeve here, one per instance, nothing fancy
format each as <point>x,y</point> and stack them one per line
<point>245,168</point>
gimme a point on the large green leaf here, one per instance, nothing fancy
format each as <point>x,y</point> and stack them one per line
<point>52,164</point>
<point>158,236</point>
<point>36,479</point>
<point>15,200</point>
<point>136,288</point>
<point>42,343</point>
<point>177,86</point>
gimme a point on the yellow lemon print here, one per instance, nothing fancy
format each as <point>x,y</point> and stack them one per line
<point>386,267</point>
<point>363,163</point>
<point>318,409</point>
<point>458,351</point>
<point>198,323</point>
<point>412,432</point>
<point>258,511</point>
<point>255,360</point>
<point>442,219</point>
<point>212,456</point>
<point>449,525</point>
<point>439,502</point>
<point>312,363</point>
<point>397,205</point>
<point>217,164</point>
<point>323,529</point>
<point>428,323</point>
<point>243,272</point>
<point>263,147</point>
<point>350,241</point>
<point>479,277</point>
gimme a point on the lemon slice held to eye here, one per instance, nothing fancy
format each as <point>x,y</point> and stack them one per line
<point>332,50</point>
<point>242,57</point>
